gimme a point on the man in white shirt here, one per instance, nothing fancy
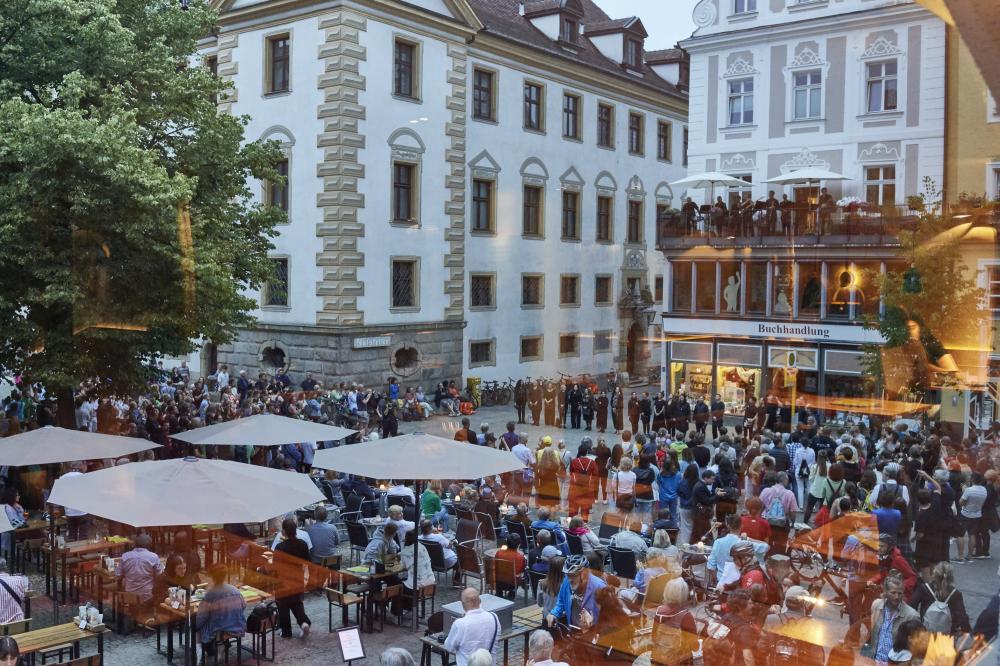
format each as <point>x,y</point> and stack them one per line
<point>427,533</point>
<point>889,483</point>
<point>402,525</point>
<point>400,490</point>
<point>222,376</point>
<point>540,649</point>
<point>76,521</point>
<point>476,629</point>
<point>522,482</point>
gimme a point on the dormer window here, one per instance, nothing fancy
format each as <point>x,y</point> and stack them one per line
<point>633,53</point>
<point>568,30</point>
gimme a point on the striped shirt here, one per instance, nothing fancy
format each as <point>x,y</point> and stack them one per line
<point>10,610</point>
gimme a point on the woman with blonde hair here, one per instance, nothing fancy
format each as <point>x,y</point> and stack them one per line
<point>623,485</point>
<point>675,635</point>
<point>547,478</point>
<point>940,589</point>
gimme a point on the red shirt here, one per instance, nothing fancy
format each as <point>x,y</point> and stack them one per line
<point>514,556</point>
<point>756,528</point>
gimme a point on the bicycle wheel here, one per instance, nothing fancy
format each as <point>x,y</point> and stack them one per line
<point>486,397</point>
<point>805,564</point>
<point>503,395</point>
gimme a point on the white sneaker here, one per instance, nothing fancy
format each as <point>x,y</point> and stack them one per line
<point>305,630</point>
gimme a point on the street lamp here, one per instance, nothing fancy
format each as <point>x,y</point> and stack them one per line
<point>646,316</point>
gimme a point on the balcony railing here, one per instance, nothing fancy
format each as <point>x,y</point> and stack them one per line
<point>794,226</point>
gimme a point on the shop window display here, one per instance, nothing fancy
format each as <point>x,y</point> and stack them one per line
<point>810,288</point>
<point>843,291</point>
<point>781,306</point>
<point>705,288</point>
<point>736,384</point>
<point>732,287</point>
<point>756,288</point>
<point>691,379</point>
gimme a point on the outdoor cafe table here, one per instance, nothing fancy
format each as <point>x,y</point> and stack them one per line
<point>56,572</point>
<point>177,616</point>
<point>41,640</point>
<point>526,620</point>
<point>33,527</point>
<point>364,575</point>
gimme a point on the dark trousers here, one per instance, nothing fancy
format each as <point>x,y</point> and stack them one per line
<point>574,414</point>
<point>716,427</point>
<point>536,413</point>
<point>811,503</point>
<point>520,411</point>
<point>980,539</point>
<point>286,608</point>
<point>645,422</point>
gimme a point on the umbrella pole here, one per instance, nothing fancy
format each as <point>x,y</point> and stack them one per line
<point>416,551</point>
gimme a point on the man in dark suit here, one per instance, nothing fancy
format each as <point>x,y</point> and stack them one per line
<point>718,415</point>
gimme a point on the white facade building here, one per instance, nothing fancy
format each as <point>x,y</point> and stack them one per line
<point>446,182</point>
<point>854,86</point>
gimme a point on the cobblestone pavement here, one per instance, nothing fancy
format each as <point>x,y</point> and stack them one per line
<point>977,580</point>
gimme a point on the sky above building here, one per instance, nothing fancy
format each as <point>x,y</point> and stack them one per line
<point>666,21</point>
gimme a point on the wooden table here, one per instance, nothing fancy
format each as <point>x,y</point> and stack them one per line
<point>75,549</point>
<point>41,640</point>
<point>178,616</point>
<point>32,526</point>
<point>369,578</point>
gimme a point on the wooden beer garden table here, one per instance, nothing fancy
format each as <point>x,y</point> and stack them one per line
<point>177,616</point>
<point>56,572</point>
<point>42,640</point>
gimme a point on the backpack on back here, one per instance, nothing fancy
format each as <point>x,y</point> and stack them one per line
<point>776,512</point>
<point>937,617</point>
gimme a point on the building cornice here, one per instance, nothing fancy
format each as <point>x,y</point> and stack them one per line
<point>505,51</point>
<point>819,26</point>
<point>283,11</point>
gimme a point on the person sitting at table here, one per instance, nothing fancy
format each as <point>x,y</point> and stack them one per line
<point>720,555</point>
<point>299,533</point>
<point>323,535</point>
<point>555,530</point>
<point>396,657</point>
<point>423,573</point>
<point>221,611</point>
<point>657,563</point>
<point>753,525</point>
<point>381,545</point>
<point>428,533</point>
<point>521,516</point>
<point>664,521</point>
<point>511,552</point>
<point>400,489</point>
<point>11,499</point>
<point>402,525</point>
<point>175,574</point>
<point>10,653</point>
<point>291,604</point>
<point>487,504</point>
<point>182,547</point>
<point>497,490</point>
<point>237,536</point>
<point>13,591</point>
<point>540,647</point>
<point>139,569</point>
<point>431,507</point>
<point>675,635</point>
<point>630,538</point>
<point>543,552</point>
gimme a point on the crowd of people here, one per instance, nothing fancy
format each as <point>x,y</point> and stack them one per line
<point>749,217</point>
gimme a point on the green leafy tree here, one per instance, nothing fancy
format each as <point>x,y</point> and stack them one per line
<point>931,305</point>
<point>109,128</point>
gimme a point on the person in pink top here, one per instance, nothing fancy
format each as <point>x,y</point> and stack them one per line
<point>780,507</point>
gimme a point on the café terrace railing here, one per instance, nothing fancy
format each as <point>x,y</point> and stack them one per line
<point>831,226</point>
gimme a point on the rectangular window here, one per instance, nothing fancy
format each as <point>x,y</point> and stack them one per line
<point>685,155</point>
<point>533,96</point>
<point>571,116</point>
<point>635,134</point>
<point>602,290</point>
<point>741,102</point>
<point>277,190</point>
<point>481,291</point>
<point>276,288</point>
<point>482,205</point>
<point>404,69</point>
<point>604,205</point>
<point>756,288</point>
<point>634,234</point>
<point>882,86</point>
<point>404,283</point>
<point>569,290</point>
<point>481,353</point>
<point>403,192</point>
<point>744,6</point>
<point>680,286</point>
<point>531,223</point>
<point>633,53</point>
<point>810,288</point>
<point>880,185</point>
<point>705,296</point>
<point>569,344</point>
<point>212,63</point>
<point>570,215</point>
<point>602,342</point>
<point>568,30</point>
<point>993,288</point>
<point>531,290</point>
<point>483,95</point>
<point>807,94</point>
<point>605,126</point>
<point>278,63</point>
<point>658,289</point>
<point>664,141</point>
<point>531,348</point>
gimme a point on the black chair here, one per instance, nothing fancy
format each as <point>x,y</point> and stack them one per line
<point>352,503</point>
<point>435,625</point>
<point>410,514</point>
<point>608,528</point>
<point>464,514</point>
<point>517,527</point>
<point>467,531</point>
<point>398,500</point>
<point>534,535</point>
<point>358,536</point>
<point>470,565</point>
<point>436,552</point>
<point>624,562</point>
<point>488,529</point>
<point>575,544</point>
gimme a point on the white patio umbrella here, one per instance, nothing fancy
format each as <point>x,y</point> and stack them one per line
<point>418,456</point>
<point>807,175</point>
<point>49,445</point>
<point>709,179</point>
<point>263,430</point>
<point>186,491</point>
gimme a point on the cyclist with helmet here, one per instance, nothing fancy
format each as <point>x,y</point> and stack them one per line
<point>889,558</point>
<point>576,603</point>
<point>765,590</point>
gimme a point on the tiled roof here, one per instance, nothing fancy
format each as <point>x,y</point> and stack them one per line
<point>502,18</point>
<point>664,55</point>
<point>616,25</point>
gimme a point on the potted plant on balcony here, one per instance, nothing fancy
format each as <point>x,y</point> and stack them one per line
<point>915,202</point>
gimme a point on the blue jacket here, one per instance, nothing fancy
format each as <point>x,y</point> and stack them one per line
<point>222,611</point>
<point>668,485</point>
<point>557,534</point>
<point>565,598</point>
<point>686,494</point>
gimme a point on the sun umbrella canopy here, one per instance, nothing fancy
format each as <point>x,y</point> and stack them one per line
<point>263,430</point>
<point>5,525</point>
<point>417,456</point>
<point>807,175</point>
<point>708,179</point>
<point>186,491</point>
<point>49,445</point>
